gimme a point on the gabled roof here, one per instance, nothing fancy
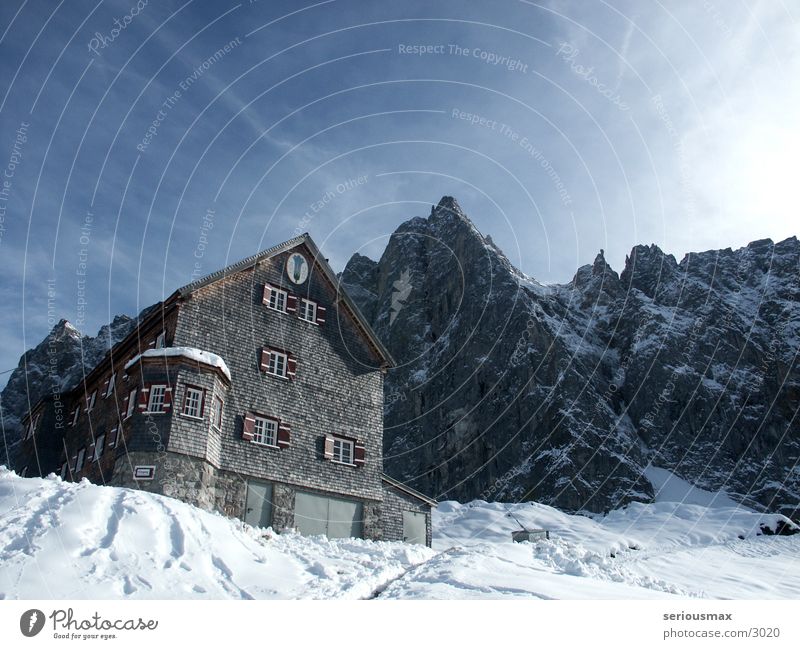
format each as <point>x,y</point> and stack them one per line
<point>322,263</point>
<point>411,492</point>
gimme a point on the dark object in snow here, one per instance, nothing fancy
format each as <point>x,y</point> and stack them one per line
<point>518,536</point>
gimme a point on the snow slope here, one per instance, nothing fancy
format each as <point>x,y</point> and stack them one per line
<point>66,540</point>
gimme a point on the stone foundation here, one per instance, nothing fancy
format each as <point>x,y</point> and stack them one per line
<point>198,483</point>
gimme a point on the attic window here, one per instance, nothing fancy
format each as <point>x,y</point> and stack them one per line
<point>308,310</point>
<point>75,416</point>
<point>90,401</point>
<point>277,299</point>
<point>161,340</point>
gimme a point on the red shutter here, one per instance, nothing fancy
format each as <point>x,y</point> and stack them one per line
<point>328,452</point>
<point>264,359</point>
<point>248,426</point>
<point>167,398</point>
<point>291,366</point>
<point>267,293</point>
<point>284,434</point>
<point>321,315</point>
<point>144,395</point>
<point>359,453</point>
<point>291,303</point>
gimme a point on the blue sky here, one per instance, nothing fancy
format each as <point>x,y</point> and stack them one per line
<point>561,127</point>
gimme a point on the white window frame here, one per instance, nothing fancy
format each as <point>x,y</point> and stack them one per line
<point>76,415</point>
<point>131,403</point>
<point>161,340</point>
<point>341,444</point>
<point>276,296</point>
<point>80,459</point>
<point>217,405</point>
<point>150,400</point>
<point>269,431</point>
<point>272,365</point>
<point>200,405</point>
<point>91,401</point>
<point>111,382</point>
<point>99,446</point>
<point>304,308</point>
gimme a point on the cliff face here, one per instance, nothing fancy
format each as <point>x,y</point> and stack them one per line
<point>508,389</point>
<point>56,364</point>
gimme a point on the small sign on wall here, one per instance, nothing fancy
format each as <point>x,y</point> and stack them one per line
<point>144,472</point>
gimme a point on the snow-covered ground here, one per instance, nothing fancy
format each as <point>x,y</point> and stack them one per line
<point>64,540</point>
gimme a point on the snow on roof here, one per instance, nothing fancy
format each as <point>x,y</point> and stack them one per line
<point>191,353</point>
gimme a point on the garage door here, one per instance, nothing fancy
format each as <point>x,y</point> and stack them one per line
<point>333,517</point>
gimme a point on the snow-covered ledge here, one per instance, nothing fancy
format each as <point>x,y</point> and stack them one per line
<point>192,353</point>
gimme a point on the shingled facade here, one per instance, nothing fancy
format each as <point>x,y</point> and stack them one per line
<point>256,391</point>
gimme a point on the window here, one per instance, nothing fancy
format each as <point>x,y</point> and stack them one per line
<point>161,340</point>
<point>342,450</point>
<point>90,401</point>
<point>79,460</point>
<point>156,401</point>
<point>64,469</point>
<point>277,299</point>
<point>193,402</point>
<point>131,403</point>
<point>216,413</point>
<point>308,310</point>
<point>75,416</point>
<point>99,446</point>
<point>111,382</point>
<point>277,363</point>
<point>265,431</point>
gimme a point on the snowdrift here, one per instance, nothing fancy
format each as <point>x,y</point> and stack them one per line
<point>72,541</point>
